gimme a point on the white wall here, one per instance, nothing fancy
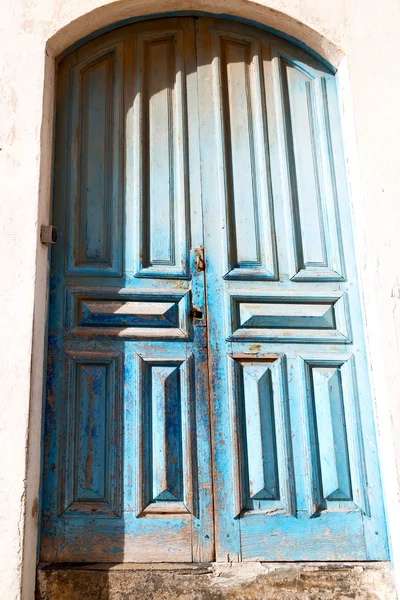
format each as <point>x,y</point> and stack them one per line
<point>360,37</point>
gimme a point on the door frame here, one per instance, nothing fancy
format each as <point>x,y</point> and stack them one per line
<point>65,40</point>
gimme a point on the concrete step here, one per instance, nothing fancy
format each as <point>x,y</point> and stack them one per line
<point>216,581</point>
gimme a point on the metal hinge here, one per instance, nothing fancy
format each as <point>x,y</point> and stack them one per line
<point>48,234</point>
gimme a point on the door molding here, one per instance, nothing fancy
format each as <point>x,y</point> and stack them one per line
<point>102,19</point>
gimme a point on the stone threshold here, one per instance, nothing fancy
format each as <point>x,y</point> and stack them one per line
<point>216,581</point>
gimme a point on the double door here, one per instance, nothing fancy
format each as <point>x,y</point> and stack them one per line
<point>207,388</point>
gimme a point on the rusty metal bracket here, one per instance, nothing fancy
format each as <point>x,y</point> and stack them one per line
<point>199,263</point>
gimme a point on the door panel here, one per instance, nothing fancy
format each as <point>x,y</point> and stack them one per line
<point>127,471</point>
<point>125,313</point>
<point>302,95</point>
<point>94,195</point>
<point>166,436</point>
<point>182,401</point>
<point>161,158</point>
<point>263,476</point>
<point>249,244</point>
<point>90,449</point>
<point>293,473</point>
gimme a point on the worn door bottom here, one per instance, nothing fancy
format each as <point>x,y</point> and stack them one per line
<point>216,581</point>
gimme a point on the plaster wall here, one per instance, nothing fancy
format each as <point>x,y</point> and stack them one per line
<point>359,37</point>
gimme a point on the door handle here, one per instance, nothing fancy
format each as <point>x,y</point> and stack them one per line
<point>199,263</point>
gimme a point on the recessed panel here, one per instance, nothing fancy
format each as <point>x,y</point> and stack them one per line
<point>164,424</point>
<point>166,438</point>
<point>123,313</point>
<point>235,61</point>
<point>290,318</point>
<point>91,445</point>
<point>337,458</point>
<point>95,173</point>
<point>159,85</point>
<point>259,421</point>
<point>91,394</point>
<point>262,433</point>
<point>249,219</point>
<point>311,173</point>
<point>287,316</point>
<point>332,439</point>
<point>109,313</point>
<point>160,127</point>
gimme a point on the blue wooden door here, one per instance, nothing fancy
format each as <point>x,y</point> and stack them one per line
<point>295,465</point>
<point>127,467</point>
<point>176,390</point>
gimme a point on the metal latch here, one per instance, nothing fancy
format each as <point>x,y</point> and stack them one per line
<point>48,234</point>
<point>199,263</point>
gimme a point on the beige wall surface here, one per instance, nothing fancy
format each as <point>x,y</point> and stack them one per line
<point>359,37</point>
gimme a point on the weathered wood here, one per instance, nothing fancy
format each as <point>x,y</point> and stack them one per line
<point>127,471</point>
<point>310,495</point>
<point>227,395</point>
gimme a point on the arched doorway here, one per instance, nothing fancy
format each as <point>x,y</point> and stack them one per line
<point>207,390</point>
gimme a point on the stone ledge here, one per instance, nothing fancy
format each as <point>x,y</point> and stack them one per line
<point>216,581</point>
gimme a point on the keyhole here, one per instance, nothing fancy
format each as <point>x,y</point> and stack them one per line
<point>197,313</point>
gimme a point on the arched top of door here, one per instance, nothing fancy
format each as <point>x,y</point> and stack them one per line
<point>112,15</point>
